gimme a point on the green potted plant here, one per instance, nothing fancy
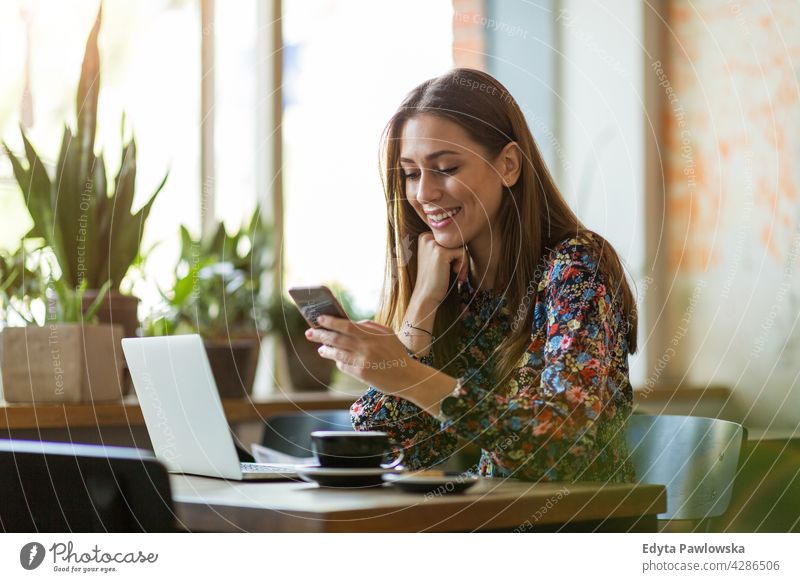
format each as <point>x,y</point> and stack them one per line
<point>88,224</point>
<point>67,356</point>
<point>20,286</point>
<point>218,294</point>
<point>308,371</point>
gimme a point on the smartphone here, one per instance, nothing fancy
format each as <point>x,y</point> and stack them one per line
<point>315,301</point>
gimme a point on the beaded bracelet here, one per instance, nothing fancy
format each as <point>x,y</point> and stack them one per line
<point>407,324</point>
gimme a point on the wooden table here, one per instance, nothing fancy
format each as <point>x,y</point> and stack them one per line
<point>205,504</point>
<point>127,412</point>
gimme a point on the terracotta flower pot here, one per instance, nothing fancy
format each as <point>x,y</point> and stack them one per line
<point>233,363</point>
<point>308,371</point>
<point>117,309</point>
<point>61,363</point>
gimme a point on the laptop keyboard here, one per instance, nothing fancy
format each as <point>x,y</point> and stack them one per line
<point>263,468</point>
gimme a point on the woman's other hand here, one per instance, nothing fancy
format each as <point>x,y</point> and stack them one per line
<point>434,265</point>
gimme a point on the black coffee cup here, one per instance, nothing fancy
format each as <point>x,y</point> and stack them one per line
<point>354,450</point>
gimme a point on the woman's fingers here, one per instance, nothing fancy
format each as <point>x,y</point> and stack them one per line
<point>344,326</point>
<point>360,328</point>
<point>339,355</point>
<point>348,361</point>
<point>331,338</point>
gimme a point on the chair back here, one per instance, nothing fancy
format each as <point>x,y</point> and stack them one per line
<point>291,433</point>
<point>694,457</point>
<point>66,487</point>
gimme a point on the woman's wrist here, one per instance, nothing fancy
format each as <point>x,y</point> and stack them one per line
<point>421,313</point>
<point>427,387</point>
<point>416,332</point>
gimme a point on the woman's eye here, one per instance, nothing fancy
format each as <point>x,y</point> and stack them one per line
<point>415,175</point>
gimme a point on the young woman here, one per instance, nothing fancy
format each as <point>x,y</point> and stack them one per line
<point>508,323</point>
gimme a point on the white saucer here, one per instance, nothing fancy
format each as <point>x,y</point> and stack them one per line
<point>344,477</point>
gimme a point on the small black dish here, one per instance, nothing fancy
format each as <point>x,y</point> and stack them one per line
<point>436,482</point>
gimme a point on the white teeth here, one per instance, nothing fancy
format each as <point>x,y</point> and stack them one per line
<point>440,217</point>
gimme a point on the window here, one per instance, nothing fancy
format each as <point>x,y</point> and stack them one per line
<point>347,66</point>
<point>237,147</point>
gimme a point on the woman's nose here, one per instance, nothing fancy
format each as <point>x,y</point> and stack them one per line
<point>428,189</point>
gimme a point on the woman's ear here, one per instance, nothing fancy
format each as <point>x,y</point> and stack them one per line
<point>510,164</point>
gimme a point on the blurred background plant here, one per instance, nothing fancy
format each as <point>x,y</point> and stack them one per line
<point>219,284</point>
<point>31,294</point>
<point>20,286</point>
<point>65,303</point>
<point>219,293</point>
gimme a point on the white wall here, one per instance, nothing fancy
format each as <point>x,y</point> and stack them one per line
<point>733,186</point>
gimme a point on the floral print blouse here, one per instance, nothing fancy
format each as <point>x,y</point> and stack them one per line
<point>561,415</point>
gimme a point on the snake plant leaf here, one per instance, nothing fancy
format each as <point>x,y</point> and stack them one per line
<point>23,177</point>
<point>255,221</point>
<point>87,97</point>
<point>125,183</point>
<point>71,191</point>
<point>215,244</point>
<point>102,200</point>
<point>187,245</point>
<point>144,211</point>
<point>121,225</point>
<point>96,230</point>
<point>40,203</point>
<point>126,237</point>
<point>20,173</point>
<point>67,164</point>
<point>123,247</point>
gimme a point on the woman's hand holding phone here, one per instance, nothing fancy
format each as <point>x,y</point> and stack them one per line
<point>372,352</point>
<point>365,350</point>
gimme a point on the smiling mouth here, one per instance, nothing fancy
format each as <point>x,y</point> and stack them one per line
<point>443,218</point>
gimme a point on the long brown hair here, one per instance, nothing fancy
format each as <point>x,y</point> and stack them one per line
<point>533,216</point>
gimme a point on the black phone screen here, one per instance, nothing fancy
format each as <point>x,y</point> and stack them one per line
<point>315,301</point>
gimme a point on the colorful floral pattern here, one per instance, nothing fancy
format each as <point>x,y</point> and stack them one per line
<point>561,415</point>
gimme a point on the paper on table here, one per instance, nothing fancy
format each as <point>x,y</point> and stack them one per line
<point>264,454</point>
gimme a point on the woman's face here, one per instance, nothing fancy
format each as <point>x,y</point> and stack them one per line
<point>450,180</point>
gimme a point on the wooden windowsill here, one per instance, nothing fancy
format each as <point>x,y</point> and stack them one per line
<point>681,393</point>
<point>128,413</point>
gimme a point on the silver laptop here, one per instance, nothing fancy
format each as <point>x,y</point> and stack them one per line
<point>183,412</point>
